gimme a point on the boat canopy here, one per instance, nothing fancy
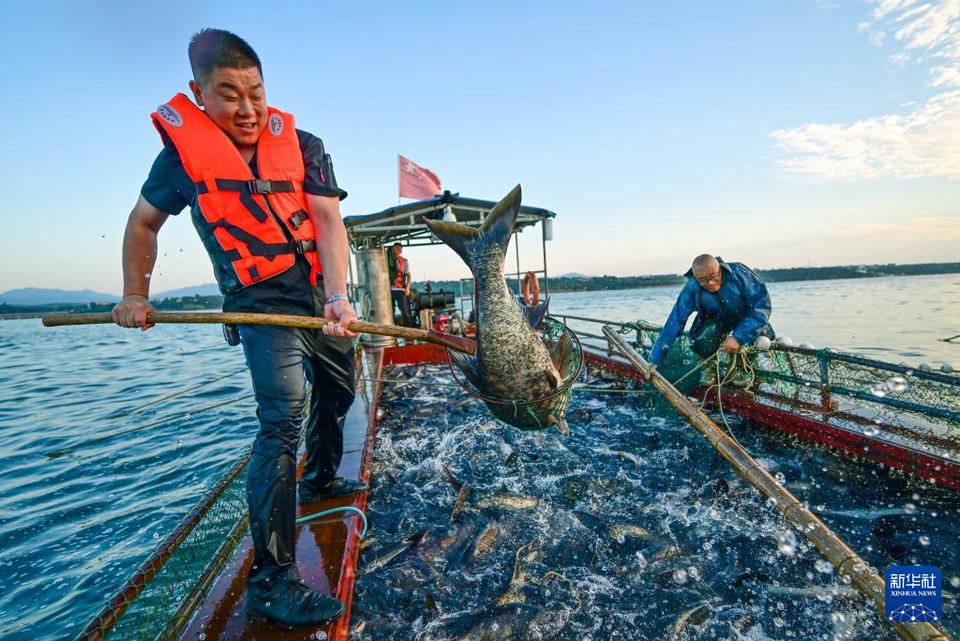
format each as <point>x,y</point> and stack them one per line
<point>404,223</point>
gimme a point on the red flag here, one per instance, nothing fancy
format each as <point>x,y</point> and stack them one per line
<point>417,182</point>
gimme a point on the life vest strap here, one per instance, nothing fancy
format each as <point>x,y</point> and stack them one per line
<point>247,189</point>
<point>253,186</point>
<point>259,248</point>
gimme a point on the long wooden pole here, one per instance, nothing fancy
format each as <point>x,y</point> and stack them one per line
<point>844,559</point>
<point>457,343</point>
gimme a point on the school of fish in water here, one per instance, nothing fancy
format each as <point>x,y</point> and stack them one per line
<point>631,527</point>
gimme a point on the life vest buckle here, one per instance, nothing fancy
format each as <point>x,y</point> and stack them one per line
<point>304,246</point>
<point>298,218</point>
<point>257,186</point>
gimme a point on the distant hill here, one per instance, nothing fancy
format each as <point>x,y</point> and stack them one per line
<point>33,300</point>
<point>41,296</point>
<point>207,289</point>
<point>28,296</point>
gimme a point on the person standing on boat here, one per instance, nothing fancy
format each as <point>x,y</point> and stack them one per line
<point>732,306</point>
<point>266,205</point>
<point>399,268</point>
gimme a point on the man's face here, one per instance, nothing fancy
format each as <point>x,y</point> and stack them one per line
<point>710,278</point>
<point>396,250</point>
<point>236,101</point>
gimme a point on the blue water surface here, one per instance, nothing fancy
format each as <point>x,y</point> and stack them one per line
<point>73,527</point>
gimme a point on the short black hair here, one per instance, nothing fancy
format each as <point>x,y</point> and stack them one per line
<point>212,48</point>
<point>397,245</point>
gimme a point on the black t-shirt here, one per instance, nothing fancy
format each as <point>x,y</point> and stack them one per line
<point>170,189</point>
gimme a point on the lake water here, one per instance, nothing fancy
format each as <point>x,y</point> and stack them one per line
<point>73,527</point>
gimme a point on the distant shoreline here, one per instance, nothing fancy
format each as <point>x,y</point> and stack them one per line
<point>558,284</point>
<point>562,284</point>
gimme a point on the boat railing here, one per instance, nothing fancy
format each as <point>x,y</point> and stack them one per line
<point>795,370</point>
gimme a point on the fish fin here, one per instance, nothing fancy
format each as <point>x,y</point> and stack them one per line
<point>452,479</point>
<point>517,580</point>
<point>463,495</point>
<point>429,602</point>
<point>561,424</point>
<point>562,354</point>
<point>470,366</point>
<point>466,549</point>
<point>417,536</point>
<point>535,313</point>
<point>498,226</point>
<point>461,238</point>
<point>553,377</point>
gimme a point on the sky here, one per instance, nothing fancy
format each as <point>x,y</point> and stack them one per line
<point>778,134</point>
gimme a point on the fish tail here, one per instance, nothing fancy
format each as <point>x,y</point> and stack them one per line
<point>496,229</point>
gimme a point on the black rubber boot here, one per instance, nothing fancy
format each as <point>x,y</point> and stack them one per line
<point>338,487</point>
<point>291,604</point>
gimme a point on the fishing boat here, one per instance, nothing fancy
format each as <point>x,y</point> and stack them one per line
<point>895,418</point>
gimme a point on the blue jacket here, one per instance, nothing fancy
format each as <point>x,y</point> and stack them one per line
<point>741,303</point>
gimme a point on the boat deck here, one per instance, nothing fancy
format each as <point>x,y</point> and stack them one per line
<point>327,549</point>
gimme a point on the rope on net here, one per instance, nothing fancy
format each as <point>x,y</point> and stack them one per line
<point>740,362</point>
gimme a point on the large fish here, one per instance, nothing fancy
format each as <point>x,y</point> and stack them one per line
<point>512,362</point>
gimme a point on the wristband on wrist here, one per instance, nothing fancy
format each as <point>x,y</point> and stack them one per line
<point>334,298</point>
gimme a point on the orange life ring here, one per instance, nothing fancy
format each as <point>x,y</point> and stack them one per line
<point>531,279</point>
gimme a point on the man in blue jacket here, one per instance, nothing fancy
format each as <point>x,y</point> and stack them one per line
<point>732,306</point>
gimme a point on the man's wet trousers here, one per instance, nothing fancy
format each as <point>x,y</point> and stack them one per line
<point>282,361</point>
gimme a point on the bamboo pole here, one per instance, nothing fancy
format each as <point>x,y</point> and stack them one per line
<point>456,343</point>
<point>847,562</point>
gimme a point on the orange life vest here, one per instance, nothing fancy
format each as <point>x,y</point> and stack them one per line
<point>398,280</point>
<point>251,228</point>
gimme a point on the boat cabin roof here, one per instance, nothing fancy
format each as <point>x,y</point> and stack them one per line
<point>404,223</point>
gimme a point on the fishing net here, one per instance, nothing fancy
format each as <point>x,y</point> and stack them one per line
<point>531,413</point>
<point>893,394</point>
<point>923,402</point>
<point>158,599</point>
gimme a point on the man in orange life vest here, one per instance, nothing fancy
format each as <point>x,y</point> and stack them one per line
<point>265,203</point>
<point>399,268</point>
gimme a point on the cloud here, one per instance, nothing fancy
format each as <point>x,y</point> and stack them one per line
<point>946,76</point>
<point>923,142</point>
<point>931,27</point>
<point>939,227</point>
